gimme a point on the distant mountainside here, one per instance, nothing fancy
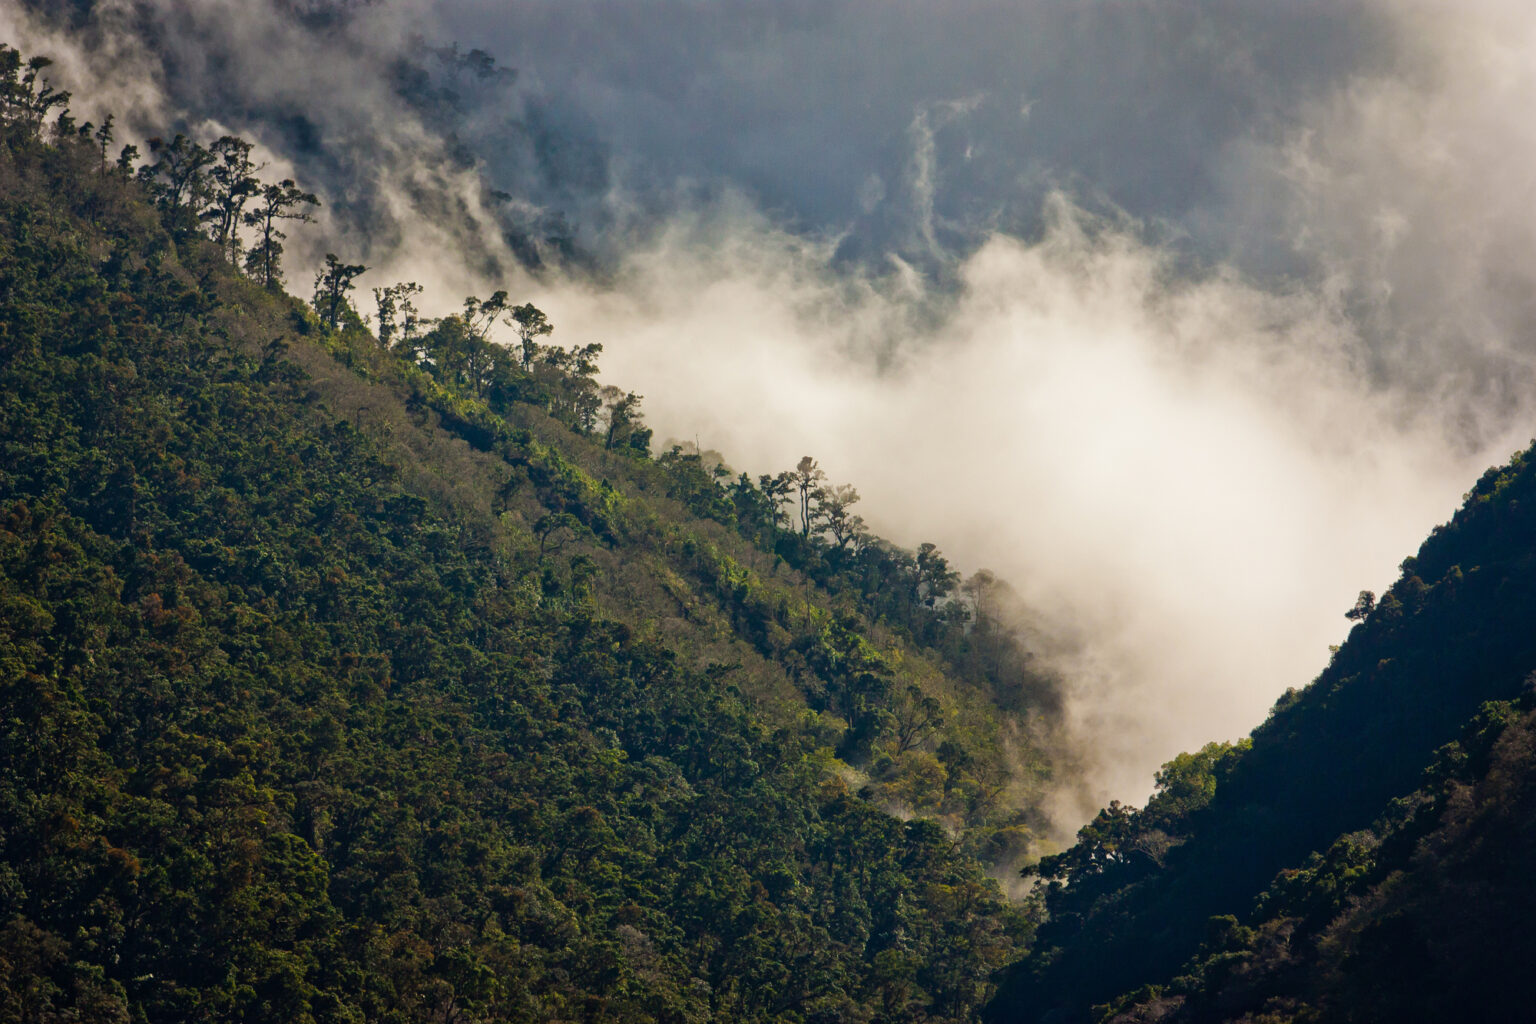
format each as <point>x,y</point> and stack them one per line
<point>1336,866</point>
<point>378,672</point>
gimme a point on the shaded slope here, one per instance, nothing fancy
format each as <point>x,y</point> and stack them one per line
<point>1458,629</point>
<point>1425,917</point>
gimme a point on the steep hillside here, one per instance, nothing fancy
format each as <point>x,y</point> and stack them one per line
<point>1134,899</point>
<point>1423,917</point>
<point>356,680</point>
<point>384,668</point>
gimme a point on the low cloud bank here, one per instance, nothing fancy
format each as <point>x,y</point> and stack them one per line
<point>1187,479</point>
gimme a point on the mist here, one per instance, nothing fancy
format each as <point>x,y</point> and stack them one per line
<point>1187,479</point>
<point>1188,320</point>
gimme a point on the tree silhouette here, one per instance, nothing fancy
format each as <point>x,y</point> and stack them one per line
<point>399,319</point>
<point>531,324</point>
<point>231,184</point>
<point>331,287</point>
<point>807,478</point>
<point>1364,605</point>
<point>178,179</point>
<point>280,202</point>
<point>833,504</point>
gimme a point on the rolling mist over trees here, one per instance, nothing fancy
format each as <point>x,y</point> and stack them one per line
<point>1313,864</point>
<point>371,654</point>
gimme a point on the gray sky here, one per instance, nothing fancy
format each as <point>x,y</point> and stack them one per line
<point>816,108</point>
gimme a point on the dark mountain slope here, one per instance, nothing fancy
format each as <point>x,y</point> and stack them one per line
<point>306,713</point>
<point>1424,917</point>
<point>1458,629</point>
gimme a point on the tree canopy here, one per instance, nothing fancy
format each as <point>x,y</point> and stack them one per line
<point>355,676</point>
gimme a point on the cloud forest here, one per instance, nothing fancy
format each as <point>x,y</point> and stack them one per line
<point>809,513</point>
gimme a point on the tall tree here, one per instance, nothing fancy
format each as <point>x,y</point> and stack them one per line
<point>103,136</point>
<point>834,504</point>
<point>918,716</point>
<point>479,316</point>
<point>622,409</point>
<point>532,325</point>
<point>807,480</point>
<point>445,346</point>
<point>125,159</point>
<point>231,184</point>
<point>26,96</point>
<point>178,179</point>
<point>777,489</point>
<point>935,579</point>
<point>569,376</point>
<point>399,320</point>
<point>1364,605</point>
<point>331,287</point>
<point>280,202</point>
<point>979,589</point>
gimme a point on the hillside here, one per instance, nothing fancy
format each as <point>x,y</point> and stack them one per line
<point>362,666</point>
<point>353,678</point>
<point>1132,903</point>
<point>1421,917</point>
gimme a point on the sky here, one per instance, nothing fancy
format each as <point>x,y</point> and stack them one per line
<point>1189,319</point>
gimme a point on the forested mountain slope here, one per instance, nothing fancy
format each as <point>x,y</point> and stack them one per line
<point>353,679</point>
<point>389,670</point>
<point>1135,899</point>
<point>1425,916</point>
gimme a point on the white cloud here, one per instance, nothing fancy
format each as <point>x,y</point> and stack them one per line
<point>1191,475</point>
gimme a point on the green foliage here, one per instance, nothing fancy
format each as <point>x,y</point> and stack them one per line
<point>292,731</point>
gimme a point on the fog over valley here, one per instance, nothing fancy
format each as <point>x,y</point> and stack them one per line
<point>1189,320</point>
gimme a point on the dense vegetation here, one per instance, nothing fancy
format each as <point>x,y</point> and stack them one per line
<point>1285,821</point>
<point>1424,916</point>
<point>381,675</point>
<point>356,665</point>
